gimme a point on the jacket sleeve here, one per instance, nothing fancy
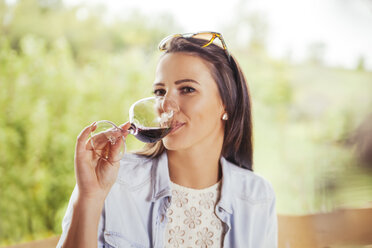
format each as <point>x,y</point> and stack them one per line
<point>271,240</point>
<point>67,221</point>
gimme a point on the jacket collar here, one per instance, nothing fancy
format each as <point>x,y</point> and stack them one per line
<point>161,185</point>
<point>226,200</point>
<point>160,172</point>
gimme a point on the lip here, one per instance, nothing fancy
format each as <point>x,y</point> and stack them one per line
<point>176,127</point>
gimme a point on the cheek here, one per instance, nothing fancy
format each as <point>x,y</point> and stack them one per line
<point>202,113</point>
<point>203,123</point>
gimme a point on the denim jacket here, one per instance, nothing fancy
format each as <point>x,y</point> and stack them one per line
<point>134,213</point>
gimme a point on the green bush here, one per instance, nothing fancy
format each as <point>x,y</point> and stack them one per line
<point>59,73</point>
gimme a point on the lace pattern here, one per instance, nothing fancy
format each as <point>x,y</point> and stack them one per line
<point>192,221</point>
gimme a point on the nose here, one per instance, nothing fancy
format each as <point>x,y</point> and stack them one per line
<point>170,106</point>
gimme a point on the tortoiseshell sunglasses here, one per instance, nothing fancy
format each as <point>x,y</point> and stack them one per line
<point>210,37</point>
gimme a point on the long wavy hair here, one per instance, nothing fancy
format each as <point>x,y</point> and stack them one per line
<point>237,145</point>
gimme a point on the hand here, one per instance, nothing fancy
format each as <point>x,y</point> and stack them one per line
<point>96,174</point>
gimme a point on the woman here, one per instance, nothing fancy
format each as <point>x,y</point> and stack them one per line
<point>194,188</point>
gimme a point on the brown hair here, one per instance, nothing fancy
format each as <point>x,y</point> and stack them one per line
<point>237,146</point>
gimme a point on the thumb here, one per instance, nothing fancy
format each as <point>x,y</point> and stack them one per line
<point>83,136</point>
<point>125,128</point>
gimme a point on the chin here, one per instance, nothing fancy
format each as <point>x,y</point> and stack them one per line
<point>174,143</point>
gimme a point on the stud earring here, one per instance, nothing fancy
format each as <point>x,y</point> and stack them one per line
<point>225,117</point>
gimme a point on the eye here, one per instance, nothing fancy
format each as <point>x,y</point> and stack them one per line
<point>159,92</point>
<point>187,90</point>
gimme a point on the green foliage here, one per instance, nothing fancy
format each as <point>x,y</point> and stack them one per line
<point>46,100</point>
<point>301,136</point>
<point>57,75</point>
<point>63,68</point>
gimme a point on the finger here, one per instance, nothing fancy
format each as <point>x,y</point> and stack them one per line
<point>88,145</point>
<point>95,156</point>
<point>99,140</point>
<point>125,128</point>
<point>83,136</point>
<point>117,150</point>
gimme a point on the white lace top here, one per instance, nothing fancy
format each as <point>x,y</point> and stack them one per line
<point>192,221</point>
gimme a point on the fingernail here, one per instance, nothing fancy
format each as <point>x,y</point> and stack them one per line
<point>93,124</point>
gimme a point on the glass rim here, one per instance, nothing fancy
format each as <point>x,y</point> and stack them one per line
<point>131,109</point>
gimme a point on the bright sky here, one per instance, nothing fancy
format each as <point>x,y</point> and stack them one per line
<point>344,26</point>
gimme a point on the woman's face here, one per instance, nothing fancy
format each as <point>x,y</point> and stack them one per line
<point>187,80</point>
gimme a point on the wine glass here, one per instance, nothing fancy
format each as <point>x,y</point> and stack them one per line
<point>151,120</point>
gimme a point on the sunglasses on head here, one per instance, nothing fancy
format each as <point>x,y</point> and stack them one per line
<point>209,37</point>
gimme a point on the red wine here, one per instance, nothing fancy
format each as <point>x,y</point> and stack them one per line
<point>151,135</point>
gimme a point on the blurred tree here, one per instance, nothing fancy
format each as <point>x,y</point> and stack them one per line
<point>361,64</point>
<point>259,30</point>
<point>58,73</point>
<point>316,53</point>
<point>62,68</point>
<point>248,31</point>
<point>362,138</point>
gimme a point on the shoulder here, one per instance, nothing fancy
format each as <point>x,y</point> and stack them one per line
<point>248,185</point>
<point>134,169</point>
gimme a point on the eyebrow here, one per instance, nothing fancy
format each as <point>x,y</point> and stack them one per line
<point>178,82</point>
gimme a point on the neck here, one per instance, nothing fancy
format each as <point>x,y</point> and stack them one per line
<point>195,168</point>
